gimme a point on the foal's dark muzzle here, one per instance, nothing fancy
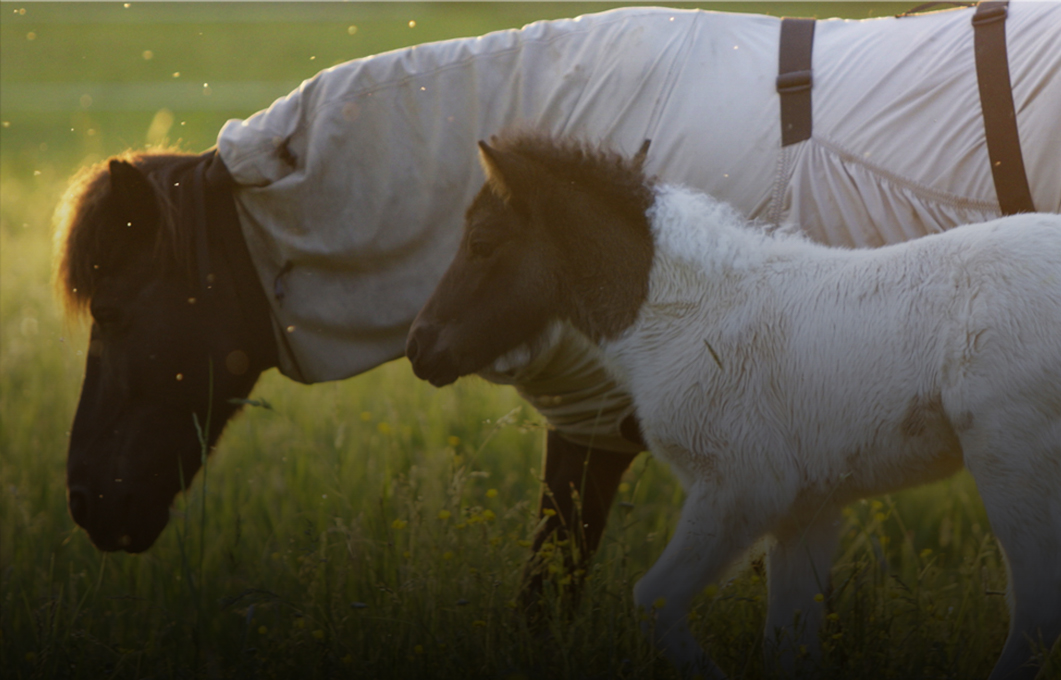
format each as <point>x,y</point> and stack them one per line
<point>429,359</point>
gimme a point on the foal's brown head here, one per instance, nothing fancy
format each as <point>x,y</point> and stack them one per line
<point>558,231</point>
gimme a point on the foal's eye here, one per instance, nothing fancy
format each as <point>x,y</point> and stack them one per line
<point>480,247</point>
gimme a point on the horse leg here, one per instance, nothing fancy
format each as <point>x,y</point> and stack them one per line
<point>1019,477</point>
<point>715,527</point>
<point>798,571</point>
<point>580,485</point>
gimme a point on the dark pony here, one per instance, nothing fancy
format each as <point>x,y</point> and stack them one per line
<point>149,244</point>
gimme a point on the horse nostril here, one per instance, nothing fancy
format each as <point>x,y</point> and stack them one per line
<point>79,505</point>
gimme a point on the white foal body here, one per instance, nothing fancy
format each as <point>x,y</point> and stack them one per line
<point>782,380</point>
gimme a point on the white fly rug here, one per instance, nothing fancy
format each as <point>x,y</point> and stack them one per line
<point>352,189</point>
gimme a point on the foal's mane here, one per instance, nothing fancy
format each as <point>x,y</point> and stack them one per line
<point>82,238</point>
<point>612,176</point>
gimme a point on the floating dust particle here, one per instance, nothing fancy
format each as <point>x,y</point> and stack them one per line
<point>31,36</point>
<point>412,23</point>
<point>148,55</point>
<point>351,30</point>
<point>176,74</point>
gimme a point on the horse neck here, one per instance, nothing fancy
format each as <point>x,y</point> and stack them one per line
<point>198,190</point>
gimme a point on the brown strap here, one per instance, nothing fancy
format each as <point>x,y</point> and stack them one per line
<point>996,100</point>
<point>794,79</point>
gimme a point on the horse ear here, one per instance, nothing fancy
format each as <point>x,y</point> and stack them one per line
<point>494,164</point>
<point>133,194</point>
<point>510,175</point>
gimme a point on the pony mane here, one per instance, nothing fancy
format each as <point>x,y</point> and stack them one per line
<point>82,213</point>
<point>620,179</point>
<point>698,229</point>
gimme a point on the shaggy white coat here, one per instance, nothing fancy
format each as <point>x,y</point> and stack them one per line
<point>783,380</point>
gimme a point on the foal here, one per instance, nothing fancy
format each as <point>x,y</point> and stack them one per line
<point>780,379</point>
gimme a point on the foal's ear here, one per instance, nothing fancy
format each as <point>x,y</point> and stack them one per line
<point>133,195</point>
<point>510,175</point>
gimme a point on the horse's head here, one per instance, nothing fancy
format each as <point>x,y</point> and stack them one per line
<point>550,235</point>
<point>167,351</point>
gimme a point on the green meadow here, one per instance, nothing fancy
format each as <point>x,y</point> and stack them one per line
<point>375,527</point>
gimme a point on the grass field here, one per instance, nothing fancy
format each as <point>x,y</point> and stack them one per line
<point>376,527</point>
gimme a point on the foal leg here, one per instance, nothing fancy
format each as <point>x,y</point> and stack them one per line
<point>580,485</point>
<point>715,527</point>
<point>1020,482</point>
<point>798,570</point>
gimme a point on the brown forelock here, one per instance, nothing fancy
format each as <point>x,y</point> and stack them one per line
<point>81,221</point>
<point>608,252</point>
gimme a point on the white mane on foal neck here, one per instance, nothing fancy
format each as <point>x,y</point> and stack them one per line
<point>697,229</point>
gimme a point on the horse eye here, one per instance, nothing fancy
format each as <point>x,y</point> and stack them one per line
<point>480,247</point>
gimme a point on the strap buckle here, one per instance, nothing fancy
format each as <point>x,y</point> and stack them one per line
<point>795,81</point>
